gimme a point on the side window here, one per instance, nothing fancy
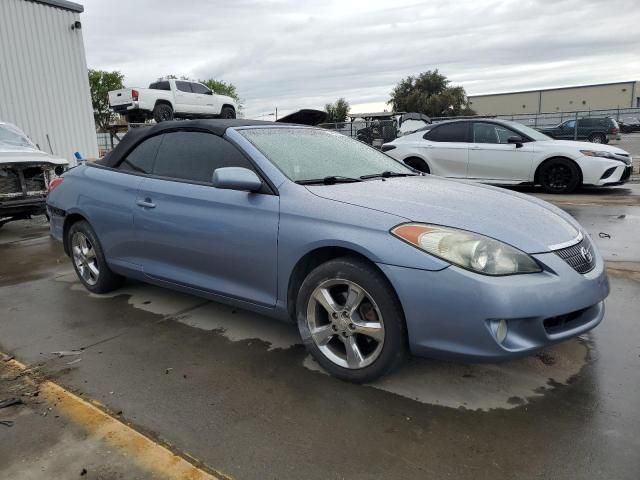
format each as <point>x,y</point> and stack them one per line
<point>484,133</point>
<point>193,156</point>
<point>164,85</point>
<point>451,132</point>
<point>569,124</point>
<point>140,159</point>
<point>198,88</point>
<point>183,86</point>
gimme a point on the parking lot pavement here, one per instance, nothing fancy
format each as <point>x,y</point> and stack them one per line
<point>237,391</point>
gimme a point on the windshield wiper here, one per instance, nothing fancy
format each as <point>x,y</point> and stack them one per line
<point>330,180</point>
<point>388,174</point>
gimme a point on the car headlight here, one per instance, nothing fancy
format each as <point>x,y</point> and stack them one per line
<point>596,153</point>
<point>467,249</point>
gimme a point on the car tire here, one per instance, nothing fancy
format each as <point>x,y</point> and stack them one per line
<point>162,113</point>
<point>88,260</point>
<point>597,138</point>
<point>559,175</point>
<point>417,164</point>
<point>227,112</point>
<point>341,343</point>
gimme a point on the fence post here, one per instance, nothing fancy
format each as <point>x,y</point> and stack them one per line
<point>575,128</point>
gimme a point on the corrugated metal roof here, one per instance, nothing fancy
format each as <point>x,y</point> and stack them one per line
<point>74,7</point>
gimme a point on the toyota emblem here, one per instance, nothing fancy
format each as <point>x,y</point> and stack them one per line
<point>586,254</point>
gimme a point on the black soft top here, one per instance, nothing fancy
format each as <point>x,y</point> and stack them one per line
<point>137,135</point>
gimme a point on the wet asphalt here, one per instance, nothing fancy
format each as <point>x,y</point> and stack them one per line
<point>239,393</point>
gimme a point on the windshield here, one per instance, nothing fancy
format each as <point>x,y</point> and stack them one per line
<point>309,154</point>
<point>529,132</point>
<point>11,136</point>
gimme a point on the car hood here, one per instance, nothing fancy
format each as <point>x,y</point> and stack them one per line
<point>581,146</point>
<point>522,221</point>
<point>29,156</point>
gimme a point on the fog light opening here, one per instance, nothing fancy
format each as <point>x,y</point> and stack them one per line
<point>500,330</point>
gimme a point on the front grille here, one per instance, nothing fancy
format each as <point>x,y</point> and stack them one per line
<point>580,256</point>
<point>9,182</point>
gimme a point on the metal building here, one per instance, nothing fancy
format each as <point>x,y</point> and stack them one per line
<point>44,87</point>
<point>566,99</point>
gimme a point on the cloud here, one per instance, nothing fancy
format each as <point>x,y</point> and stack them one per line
<point>290,54</point>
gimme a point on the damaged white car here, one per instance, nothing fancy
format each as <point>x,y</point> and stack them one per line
<point>25,173</point>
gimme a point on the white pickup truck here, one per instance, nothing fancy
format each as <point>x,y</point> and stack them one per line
<point>169,98</point>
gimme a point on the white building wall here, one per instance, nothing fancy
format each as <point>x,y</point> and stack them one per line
<point>44,88</point>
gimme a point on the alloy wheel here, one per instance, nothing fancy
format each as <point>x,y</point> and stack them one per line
<point>84,258</point>
<point>345,323</point>
<point>558,177</point>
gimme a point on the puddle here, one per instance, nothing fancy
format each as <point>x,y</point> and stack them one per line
<point>483,386</point>
<point>456,385</point>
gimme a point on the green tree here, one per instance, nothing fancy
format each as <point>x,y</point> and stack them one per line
<point>430,93</point>
<point>100,83</point>
<point>337,112</point>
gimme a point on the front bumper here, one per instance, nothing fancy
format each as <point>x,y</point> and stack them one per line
<point>449,312</point>
<point>22,207</point>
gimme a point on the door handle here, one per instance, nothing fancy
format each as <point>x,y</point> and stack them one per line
<point>146,203</point>
<point>475,147</point>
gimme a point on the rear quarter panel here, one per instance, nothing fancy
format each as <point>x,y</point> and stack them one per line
<point>106,199</point>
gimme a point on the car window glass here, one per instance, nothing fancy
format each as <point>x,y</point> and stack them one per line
<point>484,133</point>
<point>160,86</point>
<point>198,88</point>
<point>140,159</point>
<point>183,86</point>
<point>570,124</point>
<point>194,156</point>
<point>452,132</point>
<point>309,153</point>
<point>411,125</point>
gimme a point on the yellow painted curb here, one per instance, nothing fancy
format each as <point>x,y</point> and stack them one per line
<point>149,455</point>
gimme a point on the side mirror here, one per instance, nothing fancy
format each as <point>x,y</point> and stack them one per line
<point>236,178</point>
<point>517,140</point>
<point>209,92</point>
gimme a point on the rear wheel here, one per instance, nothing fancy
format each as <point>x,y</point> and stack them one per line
<point>351,321</point>
<point>88,260</point>
<point>417,164</point>
<point>597,138</point>
<point>227,112</point>
<point>162,113</point>
<point>559,176</point>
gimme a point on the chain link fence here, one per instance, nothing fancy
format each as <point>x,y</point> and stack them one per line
<point>548,119</point>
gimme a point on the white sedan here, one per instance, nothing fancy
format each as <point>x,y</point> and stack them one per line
<point>509,153</point>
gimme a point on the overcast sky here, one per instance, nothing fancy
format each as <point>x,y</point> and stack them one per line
<point>291,54</point>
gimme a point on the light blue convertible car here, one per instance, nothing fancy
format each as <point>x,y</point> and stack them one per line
<point>371,259</point>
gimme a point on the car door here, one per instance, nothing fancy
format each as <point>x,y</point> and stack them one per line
<point>208,102</point>
<point>117,190</point>
<point>195,235</point>
<point>447,149</point>
<point>184,97</point>
<point>492,157</point>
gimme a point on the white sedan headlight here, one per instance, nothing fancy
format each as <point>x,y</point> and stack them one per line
<point>467,249</point>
